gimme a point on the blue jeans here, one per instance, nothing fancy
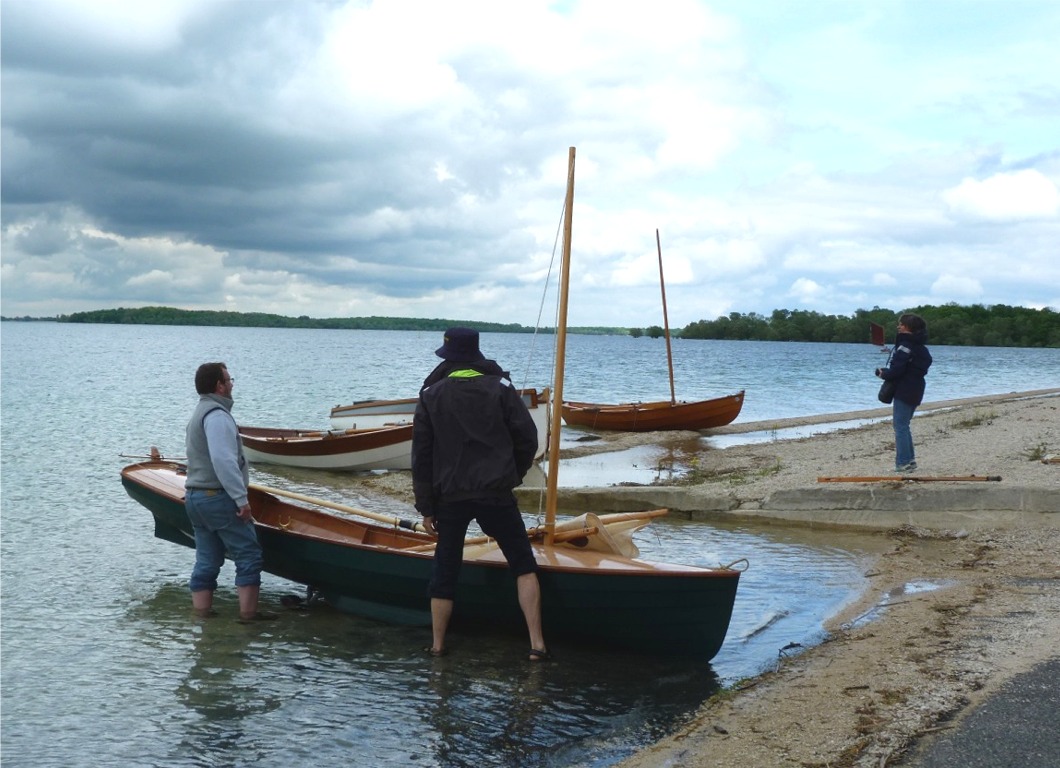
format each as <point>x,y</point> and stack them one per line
<point>903,436</point>
<point>217,530</point>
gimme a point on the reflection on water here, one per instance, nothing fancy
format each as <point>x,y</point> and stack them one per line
<point>640,465</point>
<point>663,464</point>
<point>319,687</point>
<point>788,433</point>
<point>316,686</point>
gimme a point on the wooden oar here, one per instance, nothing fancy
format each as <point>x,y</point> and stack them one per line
<point>342,508</point>
<point>306,434</point>
<point>616,517</point>
<point>560,536</point>
<point>914,479</point>
<point>622,517</point>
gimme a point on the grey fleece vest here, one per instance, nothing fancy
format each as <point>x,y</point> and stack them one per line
<point>200,468</point>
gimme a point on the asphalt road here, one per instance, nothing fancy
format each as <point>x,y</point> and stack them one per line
<point>1016,727</point>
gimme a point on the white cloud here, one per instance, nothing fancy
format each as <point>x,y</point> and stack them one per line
<point>957,288</point>
<point>1015,196</point>
<point>806,290</point>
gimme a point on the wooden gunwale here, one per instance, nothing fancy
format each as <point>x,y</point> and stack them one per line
<point>302,522</point>
<point>655,415</point>
<point>293,442</point>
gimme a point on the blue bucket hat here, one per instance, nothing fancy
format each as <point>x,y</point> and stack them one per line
<point>460,346</point>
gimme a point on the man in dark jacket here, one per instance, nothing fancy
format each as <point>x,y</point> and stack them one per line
<point>907,367</point>
<point>473,441</point>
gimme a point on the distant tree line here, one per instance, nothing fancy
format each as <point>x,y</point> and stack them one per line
<point>174,316</point>
<point>652,332</point>
<point>950,324</point>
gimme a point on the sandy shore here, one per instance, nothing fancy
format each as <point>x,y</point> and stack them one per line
<point>901,662</point>
<point>889,675</point>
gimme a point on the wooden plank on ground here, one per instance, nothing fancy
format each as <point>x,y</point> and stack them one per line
<point>914,479</point>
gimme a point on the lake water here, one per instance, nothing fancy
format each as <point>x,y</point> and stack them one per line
<point>102,664</point>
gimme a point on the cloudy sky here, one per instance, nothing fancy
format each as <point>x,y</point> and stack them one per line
<point>408,157</point>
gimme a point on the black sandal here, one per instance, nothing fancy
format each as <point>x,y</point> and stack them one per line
<point>539,655</point>
<point>429,650</point>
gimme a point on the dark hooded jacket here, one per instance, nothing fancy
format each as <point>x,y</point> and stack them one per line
<point>907,367</point>
<point>472,437</point>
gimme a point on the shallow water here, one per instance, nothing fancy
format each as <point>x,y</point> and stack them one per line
<point>102,664</point>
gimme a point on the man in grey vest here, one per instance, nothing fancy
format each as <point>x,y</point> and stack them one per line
<point>216,498</point>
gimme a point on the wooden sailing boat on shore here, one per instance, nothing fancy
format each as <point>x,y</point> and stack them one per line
<point>371,414</point>
<point>337,450</point>
<point>593,587</point>
<point>656,415</point>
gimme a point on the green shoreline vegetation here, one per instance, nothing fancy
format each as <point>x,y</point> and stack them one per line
<point>948,324</point>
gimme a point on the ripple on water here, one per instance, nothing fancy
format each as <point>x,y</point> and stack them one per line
<point>892,596</point>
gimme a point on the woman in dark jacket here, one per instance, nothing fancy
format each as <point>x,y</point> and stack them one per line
<point>907,367</point>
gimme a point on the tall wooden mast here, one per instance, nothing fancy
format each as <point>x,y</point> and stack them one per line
<point>552,484</point>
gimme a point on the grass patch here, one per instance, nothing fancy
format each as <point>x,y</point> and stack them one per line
<point>1037,453</point>
<point>734,476</point>
<point>977,419</point>
<point>890,697</point>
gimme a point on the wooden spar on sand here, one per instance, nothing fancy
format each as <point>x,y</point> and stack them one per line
<point>914,479</point>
